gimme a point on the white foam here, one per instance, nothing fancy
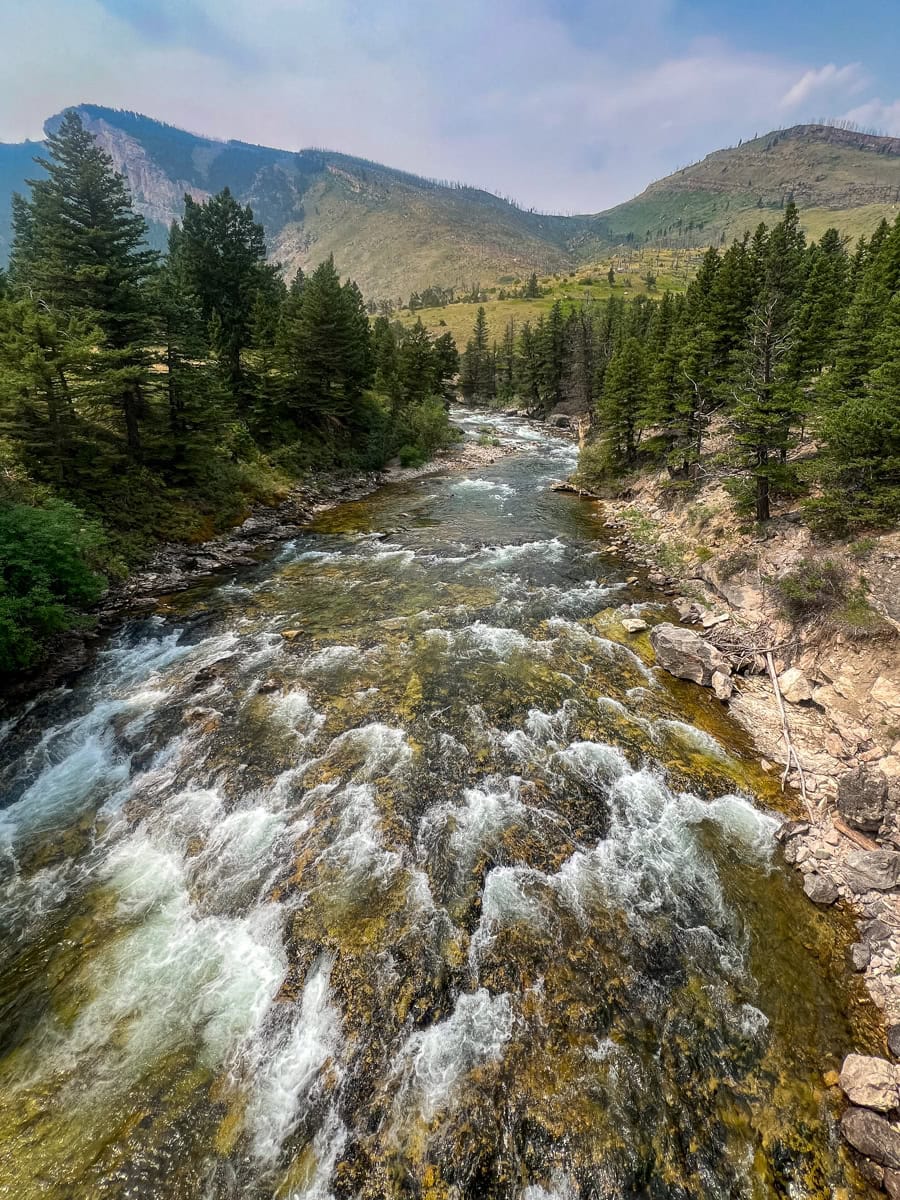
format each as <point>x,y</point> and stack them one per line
<point>286,1066</point>
<point>332,658</point>
<point>434,1060</point>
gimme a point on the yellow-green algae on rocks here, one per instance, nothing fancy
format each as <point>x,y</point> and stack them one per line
<point>450,894</point>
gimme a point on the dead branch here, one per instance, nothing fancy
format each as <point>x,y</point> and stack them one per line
<point>786,733</point>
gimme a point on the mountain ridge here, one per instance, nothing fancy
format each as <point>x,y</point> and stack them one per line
<point>397,232</point>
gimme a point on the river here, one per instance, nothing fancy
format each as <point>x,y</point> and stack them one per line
<point>448,894</point>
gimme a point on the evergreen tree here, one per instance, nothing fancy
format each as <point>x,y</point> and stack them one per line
<point>80,250</point>
<point>477,380</point>
<point>621,405</point>
<point>224,250</point>
<point>45,362</point>
<point>324,350</point>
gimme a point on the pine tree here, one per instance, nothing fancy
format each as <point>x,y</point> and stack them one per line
<point>44,363</point>
<point>324,350</point>
<point>621,405</point>
<point>80,250</point>
<point>224,252</point>
<point>477,380</point>
<point>859,467</point>
<point>197,403</point>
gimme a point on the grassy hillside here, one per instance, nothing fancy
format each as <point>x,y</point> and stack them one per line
<point>835,176</point>
<point>398,233</point>
<point>672,269</point>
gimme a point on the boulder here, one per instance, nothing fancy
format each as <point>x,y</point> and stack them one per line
<point>872,870</point>
<point>860,955</point>
<point>633,624</point>
<point>872,1135</point>
<point>686,655</point>
<point>795,687</point>
<point>820,890</point>
<point>722,686</point>
<point>870,1082</point>
<point>862,798</point>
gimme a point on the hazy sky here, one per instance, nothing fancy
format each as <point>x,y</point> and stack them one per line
<point>568,105</point>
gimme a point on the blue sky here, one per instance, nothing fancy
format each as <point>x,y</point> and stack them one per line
<point>566,105</point>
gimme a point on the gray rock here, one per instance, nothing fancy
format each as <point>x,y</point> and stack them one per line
<point>633,624</point>
<point>722,686</point>
<point>891,1183</point>
<point>790,829</point>
<point>862,798</point>
<point>870,1082</point>
<point>872,1135</point>
<point>819,889</point>
<point>872,870</point>
<point>686,655</point>
<point>860,954</point>
<point>893,1040</point>
<point>877,932</point>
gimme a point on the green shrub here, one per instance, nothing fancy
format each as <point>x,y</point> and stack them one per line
<point>857,619</point>
<point>860,548</point>
<point>411,456</point>
<point>49,559</point>
<point>812,587</point>
<point>736,562</point>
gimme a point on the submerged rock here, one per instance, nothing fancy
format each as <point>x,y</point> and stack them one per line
<point>685,654</point>
<point>872,1135</point>
<point>870,1082</point>
<point>863,798</point>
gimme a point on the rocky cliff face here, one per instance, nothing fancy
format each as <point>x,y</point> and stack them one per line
<point>156,196</point>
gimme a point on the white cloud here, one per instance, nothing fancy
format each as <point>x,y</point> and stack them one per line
<point>825,81</point>
<point>571,106</point>
<point>875,114</point>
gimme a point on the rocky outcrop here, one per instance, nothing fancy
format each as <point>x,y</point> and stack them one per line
<point>872,870</point>
<point>685,654</point>
<point>862,798</point>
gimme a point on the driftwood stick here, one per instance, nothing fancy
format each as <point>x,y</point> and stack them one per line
<point>854,835</point>
<point>786,733</point>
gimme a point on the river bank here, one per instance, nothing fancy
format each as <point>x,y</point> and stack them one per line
<point>177,566</point>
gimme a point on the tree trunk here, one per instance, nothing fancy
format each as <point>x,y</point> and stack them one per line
<point>762,487</point>
<point>130,402</point>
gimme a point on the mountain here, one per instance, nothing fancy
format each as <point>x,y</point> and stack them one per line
<point>836,177</point>
<point>397,233</point>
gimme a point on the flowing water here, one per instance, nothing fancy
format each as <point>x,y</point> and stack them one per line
<point>449,895</point>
